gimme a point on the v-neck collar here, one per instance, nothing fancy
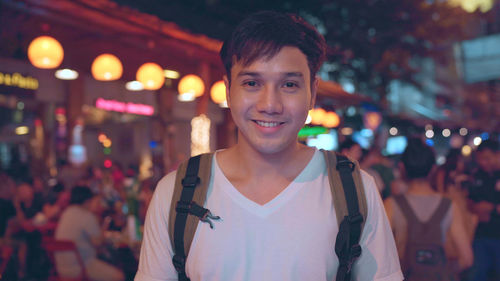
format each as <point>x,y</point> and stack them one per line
<point>279,200</point>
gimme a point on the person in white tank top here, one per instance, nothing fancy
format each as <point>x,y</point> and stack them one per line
<point>418,160</point>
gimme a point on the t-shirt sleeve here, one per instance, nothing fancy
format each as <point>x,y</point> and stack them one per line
<point>155,262</point>
<point>91,225</point>
<point>379,259</point>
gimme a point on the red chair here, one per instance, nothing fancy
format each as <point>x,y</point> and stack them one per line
<point>5,254</point>
<point>53,246</point>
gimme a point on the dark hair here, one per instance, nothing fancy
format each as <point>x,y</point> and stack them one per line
<point>80,194</point>
<point>488,144</point>
<point>347,144</point>
<point>58,187</point>
<point>418,159</point>
<point>264,34</point>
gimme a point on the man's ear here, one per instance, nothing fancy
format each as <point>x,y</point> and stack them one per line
<point>228,85</point>
<point>314,91</point>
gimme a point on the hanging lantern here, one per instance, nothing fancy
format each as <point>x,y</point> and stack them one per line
<point>107,67</point>
<point>372,120</point>
<point>45,52</point>
<point>331,120</point>
<point>151,76</point>
<point>191,86</point>
<point>218,92</point>
<point>317,116</point>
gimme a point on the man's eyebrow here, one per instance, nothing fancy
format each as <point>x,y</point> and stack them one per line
<point>248,73</point>
<point>293,74</point>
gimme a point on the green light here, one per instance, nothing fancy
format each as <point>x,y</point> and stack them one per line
<point>107,150</point>
<point>311,131</point>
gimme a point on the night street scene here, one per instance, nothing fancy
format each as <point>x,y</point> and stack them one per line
<point>249,140</point>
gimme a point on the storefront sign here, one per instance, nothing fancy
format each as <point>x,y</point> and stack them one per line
<point>118,106</point>
<point>17,80</point>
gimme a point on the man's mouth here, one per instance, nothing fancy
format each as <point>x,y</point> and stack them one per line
<point>268,124</point>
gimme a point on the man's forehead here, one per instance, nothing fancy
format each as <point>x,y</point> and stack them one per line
<point>267,56</point>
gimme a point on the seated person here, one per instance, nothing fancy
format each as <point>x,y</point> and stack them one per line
<point>81,226</point>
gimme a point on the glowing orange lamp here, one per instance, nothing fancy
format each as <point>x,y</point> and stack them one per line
<point>151,76</point>
<point>191,87</point>
<point>317,116</point>
<point>45,52</point>
<point>107,67</point>
<point>218,92</point>
<point>331,120</point>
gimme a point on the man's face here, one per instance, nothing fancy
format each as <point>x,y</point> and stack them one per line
<point>270,99</point>
<point>486,159</point>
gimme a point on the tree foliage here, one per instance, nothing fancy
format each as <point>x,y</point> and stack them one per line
<point>371,42</point>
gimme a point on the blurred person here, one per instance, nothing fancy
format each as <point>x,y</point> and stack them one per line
<point>94,179</point>
<point>23,230</point>
<point>382,167</point>
<point>452,181</point>
<point>117,175</point>
<point>56,201</point>
<point>145,196</point>
<point>80,225</point>
<point>271,192</point>
<point>351,149</point>
<point>484,201</point>
<point>7,193</point>
<point>27,202</point>
<point>367,160</point>
<point>421,220</point>
<point>452,172</point>
<point>108,191</point>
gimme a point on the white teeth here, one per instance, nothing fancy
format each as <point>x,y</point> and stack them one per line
<point>267,124</point>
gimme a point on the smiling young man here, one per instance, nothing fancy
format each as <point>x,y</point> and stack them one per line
<point>272,193</point>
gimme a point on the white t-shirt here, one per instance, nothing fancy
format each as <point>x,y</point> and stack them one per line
<point>292,237</point>
<point>78,225</point>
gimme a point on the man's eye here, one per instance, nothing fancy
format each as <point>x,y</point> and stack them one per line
<point>290,84</point>
<point>251,83</point>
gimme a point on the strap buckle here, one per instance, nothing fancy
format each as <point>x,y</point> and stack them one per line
<point>354,253</point>
<point>183,206</point>
<point>357,218</point>
<point>179,263</point>
<point>345,164</point>
<point>190,181</point>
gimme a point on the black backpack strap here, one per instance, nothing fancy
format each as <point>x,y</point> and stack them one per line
<point>347,245</point>
<point>183,208</point>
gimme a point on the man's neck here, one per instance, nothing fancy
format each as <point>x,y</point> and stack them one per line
<point>259,163</point>
<point>420,187</point>
<point>261,177</point>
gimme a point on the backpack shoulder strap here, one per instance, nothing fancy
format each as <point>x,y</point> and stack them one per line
<point>190,192</point>
<point>440,212</point>
<point>349,200</point>
<point>406,209</point>
<point>337,187</point>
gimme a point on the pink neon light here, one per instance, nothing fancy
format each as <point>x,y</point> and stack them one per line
<point>134,108</point>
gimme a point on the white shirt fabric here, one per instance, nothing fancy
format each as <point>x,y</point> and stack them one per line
<point>292,237</point>
<point>78,225</point>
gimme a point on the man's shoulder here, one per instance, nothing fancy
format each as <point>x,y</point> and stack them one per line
<point>368,182</point>
<point>166,183</point>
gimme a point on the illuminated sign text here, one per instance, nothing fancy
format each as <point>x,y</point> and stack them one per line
<point>18,80</point>
<point>118,106</point>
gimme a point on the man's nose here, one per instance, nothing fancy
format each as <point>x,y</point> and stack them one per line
<point>270,100</point>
